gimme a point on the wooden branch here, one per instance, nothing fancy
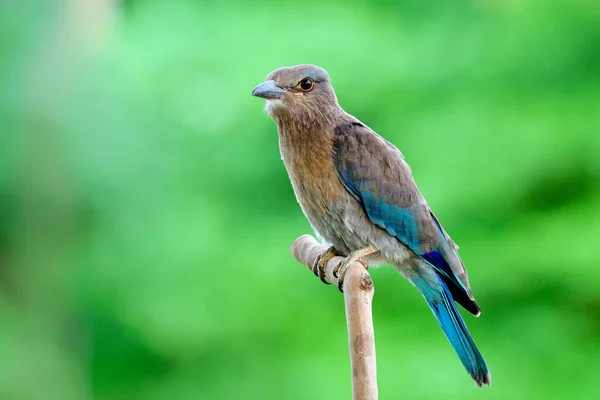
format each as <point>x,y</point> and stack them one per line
<point>358,297</point>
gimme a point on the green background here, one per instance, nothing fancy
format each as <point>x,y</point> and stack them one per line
<point>146,216</point>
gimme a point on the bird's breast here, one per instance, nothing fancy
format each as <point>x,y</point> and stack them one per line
<point>312,174</point>
<point>309,162</point>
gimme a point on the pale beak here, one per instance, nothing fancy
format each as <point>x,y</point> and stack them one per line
<point>269,90</point>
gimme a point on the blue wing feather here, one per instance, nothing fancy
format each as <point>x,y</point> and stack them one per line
<point>396,206</point>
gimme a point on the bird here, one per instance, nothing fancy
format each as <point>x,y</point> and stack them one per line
<point>359,196</point>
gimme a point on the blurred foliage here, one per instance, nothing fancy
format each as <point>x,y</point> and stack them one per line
<point>145,214</point>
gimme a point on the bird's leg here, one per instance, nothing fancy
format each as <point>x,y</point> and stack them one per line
<point>321,261</point>
<point>339,271</point>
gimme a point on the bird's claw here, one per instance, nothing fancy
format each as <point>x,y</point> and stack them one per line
<point>321,261</point>
<point>339,271</point>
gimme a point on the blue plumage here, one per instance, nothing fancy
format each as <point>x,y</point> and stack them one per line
<point>441,303</point>
<point>397,221</point>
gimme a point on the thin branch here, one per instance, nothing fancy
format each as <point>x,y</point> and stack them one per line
<point>358,298</point>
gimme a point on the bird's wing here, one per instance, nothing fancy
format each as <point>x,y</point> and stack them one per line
<point>375,173</point>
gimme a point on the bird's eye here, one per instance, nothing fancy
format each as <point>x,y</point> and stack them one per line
<point>306,84</point>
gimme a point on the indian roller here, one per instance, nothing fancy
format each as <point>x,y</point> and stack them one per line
<point>359,195</point>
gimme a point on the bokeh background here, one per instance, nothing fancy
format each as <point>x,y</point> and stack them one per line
<point>146,216</point>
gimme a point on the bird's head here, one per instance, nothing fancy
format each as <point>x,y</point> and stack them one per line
<point>302,92</point>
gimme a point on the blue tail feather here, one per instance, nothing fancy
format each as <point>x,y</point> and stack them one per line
<point>456,331</point>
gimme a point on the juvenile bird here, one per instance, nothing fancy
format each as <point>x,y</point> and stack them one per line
<point>359,196</point>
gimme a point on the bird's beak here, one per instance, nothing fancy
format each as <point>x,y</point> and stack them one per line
<point>269,90</point>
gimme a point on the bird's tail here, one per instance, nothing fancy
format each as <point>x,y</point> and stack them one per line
<point>456,331</point>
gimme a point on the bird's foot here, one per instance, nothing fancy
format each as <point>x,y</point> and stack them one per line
<point>339,271</point>
<point>318,267</point>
